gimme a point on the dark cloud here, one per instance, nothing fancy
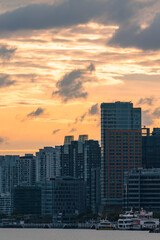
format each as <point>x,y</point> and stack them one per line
<point>56,131</point>
<point>147,118</point>
<point>156,113</point>
<point>149,101</point>
<point>71,85</point>
<point>36,113</point>
<point>73,130</point>
<point>42,16</point>
<point>94,110</point>
<point>127,15</point>
<point>133,36</point>
<point>5,82</point>
<point>70,12</point>
<point>6,52</point>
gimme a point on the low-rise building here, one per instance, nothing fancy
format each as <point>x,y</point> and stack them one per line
<point>63,197</point>
<point>142,189</point>
<point>27,200</point>
<point>6,204</point>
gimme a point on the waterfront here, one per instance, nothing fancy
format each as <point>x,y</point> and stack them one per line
<point>74,234</point>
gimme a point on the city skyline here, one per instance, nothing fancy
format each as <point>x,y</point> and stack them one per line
<point>61,59</point>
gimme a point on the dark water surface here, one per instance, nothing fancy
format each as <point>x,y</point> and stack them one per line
<point>76,234</point>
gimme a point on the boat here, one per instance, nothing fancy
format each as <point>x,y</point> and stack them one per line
<point>139,220</point>
<point>105,225</point>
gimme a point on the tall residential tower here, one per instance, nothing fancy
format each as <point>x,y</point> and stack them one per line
<point>120,148</point>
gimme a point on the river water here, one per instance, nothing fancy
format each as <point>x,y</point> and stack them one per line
<point>76,234</point>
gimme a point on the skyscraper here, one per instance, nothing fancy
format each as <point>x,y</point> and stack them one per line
<point>48,163</point>
<point>120,148</point>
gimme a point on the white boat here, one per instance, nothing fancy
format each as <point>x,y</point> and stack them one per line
<point>137,220</point>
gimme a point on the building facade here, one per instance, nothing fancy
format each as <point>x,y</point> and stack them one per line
<point>142,189</point>
<point>8,173</point>
<point>6,204</point>
<point>120,148</point>
<point>27,200</point>
<point>78,160</point>
<point>63,197</point>
<point>48,163</point>
<point>26,167</point>
<point>151,148</point>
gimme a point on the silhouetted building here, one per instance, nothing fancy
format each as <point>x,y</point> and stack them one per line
<point>6,204</point>
<point>120,148</point>
<point>8,173</point>
<point>83,138</point>
<point>26,167</point>
<point>68,140</point>
<point>48,163</point>
<point>151,148</point>
<point>142,189</point>
<point>27,200</point>
<point>63,197</point>
<point>78,160</point>
<point>95,190</point>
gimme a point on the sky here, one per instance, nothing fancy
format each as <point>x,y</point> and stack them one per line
<point>60,59</point>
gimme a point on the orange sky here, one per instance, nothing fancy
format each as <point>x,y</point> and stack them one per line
<point>53,77</point>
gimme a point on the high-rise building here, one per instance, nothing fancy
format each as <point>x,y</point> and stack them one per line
<point>83,138</point>
<point>68,140</point>
<point>151,148</point>
<point>48,163</point>
<point>26,167</point>
<point>8,173</point>
<point>78,160</point>
<point>120,148</point>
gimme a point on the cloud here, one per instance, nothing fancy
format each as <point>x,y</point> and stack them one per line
<point>6,52</point>
<point>36,113</point>
<point>56,131</point>
<point>148,101</point>
<point>83,117</point>
<point>147,118</point>
<point>140,77</point>
<point>134,36</point>
<point>156,112</point>
<point>73,130</point>
<point>71,85</point>
<point>68,13</point>
<point>23,103</point>
<point>43,16</point>
<point>94,110</point>
<point>2,140</point>
<point>91,67</point>
<point>128,16</point>
<point>5,82</point>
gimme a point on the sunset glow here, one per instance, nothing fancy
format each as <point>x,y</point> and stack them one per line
<point>53,73</point>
